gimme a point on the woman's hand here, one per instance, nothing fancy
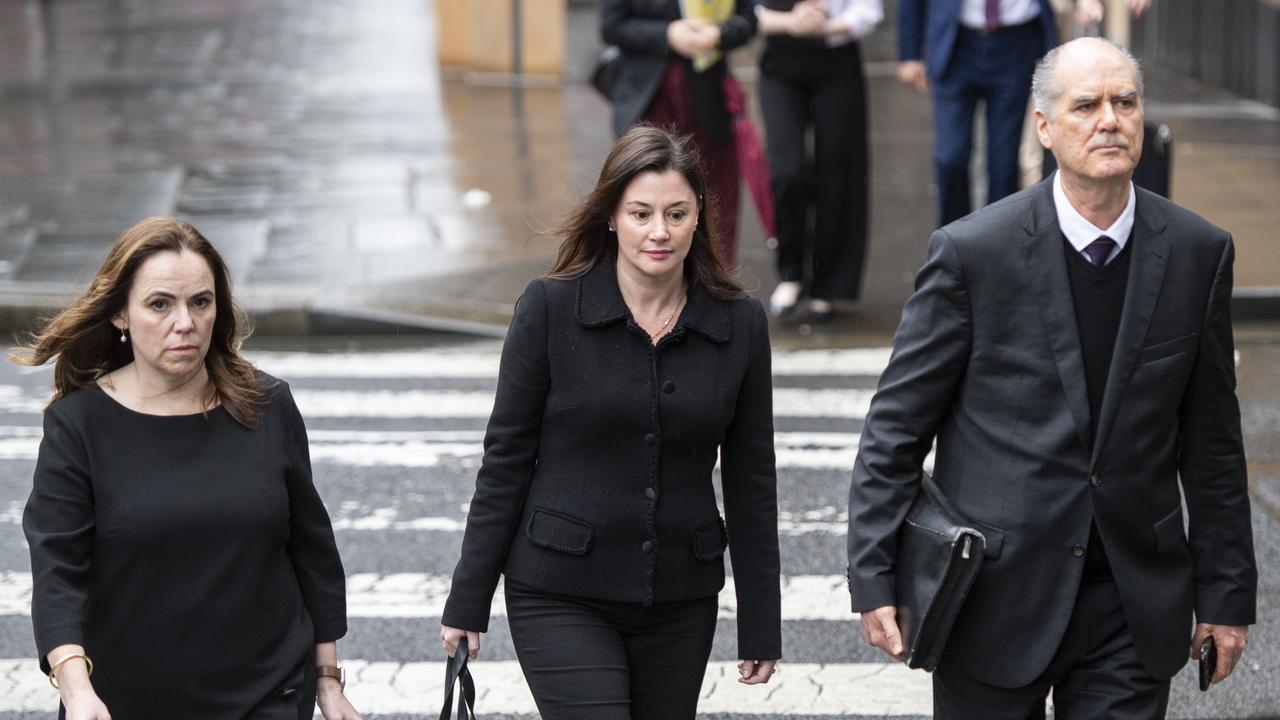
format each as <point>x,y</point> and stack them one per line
<point>333,704</point>
<point>756,672</point>
<point>85,706</point>
<point>449,637</point>
<point>71,671</point>
<point>808,19</point>
<point>690,37</point>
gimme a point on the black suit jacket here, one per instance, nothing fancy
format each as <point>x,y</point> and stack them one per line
<point>639,29</point>
<point>927,30</point>
<point>597,473</point>
<point>987,360</point>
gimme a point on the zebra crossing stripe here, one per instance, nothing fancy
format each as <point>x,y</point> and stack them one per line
<point>422,595</point>
<point>874,689</point>
<point>358,448</point>
<point>463,364</point>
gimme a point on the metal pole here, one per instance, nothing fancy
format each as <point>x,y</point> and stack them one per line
<point>517,49</point>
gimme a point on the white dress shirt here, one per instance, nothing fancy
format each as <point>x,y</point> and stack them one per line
<point>860,16</point>
<point>973,13</point>
<point>1080,232</point>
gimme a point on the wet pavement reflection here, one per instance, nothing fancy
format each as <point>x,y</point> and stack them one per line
<point>338,167</point>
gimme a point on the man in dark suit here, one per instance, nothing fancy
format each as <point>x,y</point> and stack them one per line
<point>965,51</point>
<point>1070,349</point>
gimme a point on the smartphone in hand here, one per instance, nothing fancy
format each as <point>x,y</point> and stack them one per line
<point>1208,661</point>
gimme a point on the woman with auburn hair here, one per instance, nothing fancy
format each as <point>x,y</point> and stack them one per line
<point>625,373</point>
<point>183,563</point>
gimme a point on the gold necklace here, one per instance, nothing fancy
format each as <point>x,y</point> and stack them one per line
<point>662,330</point>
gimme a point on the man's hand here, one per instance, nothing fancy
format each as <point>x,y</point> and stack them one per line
<point>1231,641</point>
<point>1088,12</point>
<point>911,72</point>
<point>880,628</point>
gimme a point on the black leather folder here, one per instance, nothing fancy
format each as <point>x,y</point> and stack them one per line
<point>939,556</point>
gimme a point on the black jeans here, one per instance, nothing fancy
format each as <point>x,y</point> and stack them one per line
<point>600,660</point>
<point>1096,673</point>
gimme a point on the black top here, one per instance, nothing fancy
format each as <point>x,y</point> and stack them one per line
<point>597,473</point>
<point>191,556</point>
<point>1098,294</point>
<point>639,29</point>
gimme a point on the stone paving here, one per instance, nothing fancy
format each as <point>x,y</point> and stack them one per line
<point>346,177</point>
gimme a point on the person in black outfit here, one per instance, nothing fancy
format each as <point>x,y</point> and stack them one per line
<point>659,84</point>
<point>624,373</point>
<point>811,78</point>
<point>176,536</point>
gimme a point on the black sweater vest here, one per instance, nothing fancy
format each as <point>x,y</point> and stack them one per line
<point>1098,296</point>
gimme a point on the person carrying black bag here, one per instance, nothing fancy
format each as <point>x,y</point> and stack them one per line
<point>627,370</point>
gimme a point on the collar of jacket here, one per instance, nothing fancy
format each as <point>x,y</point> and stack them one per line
<point>600,303</point>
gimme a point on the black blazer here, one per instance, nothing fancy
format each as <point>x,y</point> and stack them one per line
<point>596,478</point>
<point>639,29</point>
<point>987,359</point>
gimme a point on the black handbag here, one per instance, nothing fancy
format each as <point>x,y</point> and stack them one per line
<point>606,73</point>
<point>939,556</point>
<point>456,672</point>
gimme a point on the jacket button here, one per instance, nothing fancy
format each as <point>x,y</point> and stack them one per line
<point>1078,551</point>
<point>1095,480</point>
<point>651,439</point>
<point>668,387</point>
<point>647,546</point>
<point>650,493</point>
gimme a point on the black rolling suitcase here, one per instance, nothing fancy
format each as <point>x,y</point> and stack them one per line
<point>1155,165</point>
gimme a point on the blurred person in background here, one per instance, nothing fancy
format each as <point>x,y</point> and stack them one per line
<point>811,80</point>
<point>183,564</point>
<point>673,75</point>
<point>963,51</point>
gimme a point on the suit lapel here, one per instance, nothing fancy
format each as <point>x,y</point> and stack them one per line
<point>1150,254</point>
<point>1047,268</point>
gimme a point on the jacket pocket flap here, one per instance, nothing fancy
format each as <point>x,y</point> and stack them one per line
<point>562,533</point>
<point>709,541</point>
<point>1167,348</point>
<point>1168,530</point>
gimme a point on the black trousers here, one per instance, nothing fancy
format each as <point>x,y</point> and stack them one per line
<point>600,660</point>
<point>1096,673</point>
<point>823,89</point>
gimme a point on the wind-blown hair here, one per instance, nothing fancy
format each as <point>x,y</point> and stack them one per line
<point>584,233</point>
<point>86,345</point>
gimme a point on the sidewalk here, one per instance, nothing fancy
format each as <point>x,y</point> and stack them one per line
<point>353,188</point>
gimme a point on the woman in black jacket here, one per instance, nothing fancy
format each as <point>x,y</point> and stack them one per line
<point>672,76</point>
<point>625,372</point>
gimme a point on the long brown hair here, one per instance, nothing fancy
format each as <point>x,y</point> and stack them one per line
<point>86,344</point>
<point>585,237</point>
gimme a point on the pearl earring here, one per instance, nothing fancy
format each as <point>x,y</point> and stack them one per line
<point>123,337</point>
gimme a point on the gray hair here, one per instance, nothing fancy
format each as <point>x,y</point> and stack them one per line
<point>1044,85</point>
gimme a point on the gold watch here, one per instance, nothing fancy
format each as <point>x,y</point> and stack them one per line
<point>331,671</point>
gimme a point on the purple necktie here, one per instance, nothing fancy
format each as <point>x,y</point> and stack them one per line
<point>1099,250</point>
<point>993,15</point>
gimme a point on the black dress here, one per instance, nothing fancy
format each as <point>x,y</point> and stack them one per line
<point>191,556</point>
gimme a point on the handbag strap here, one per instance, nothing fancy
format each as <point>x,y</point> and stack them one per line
<point>456,672</point>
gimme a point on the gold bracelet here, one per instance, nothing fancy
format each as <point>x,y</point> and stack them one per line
<point>53,681</point>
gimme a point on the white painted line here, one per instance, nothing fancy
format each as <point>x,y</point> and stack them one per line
<point>422,595</point>
<point>481,363</point>
<point>874,689</point>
